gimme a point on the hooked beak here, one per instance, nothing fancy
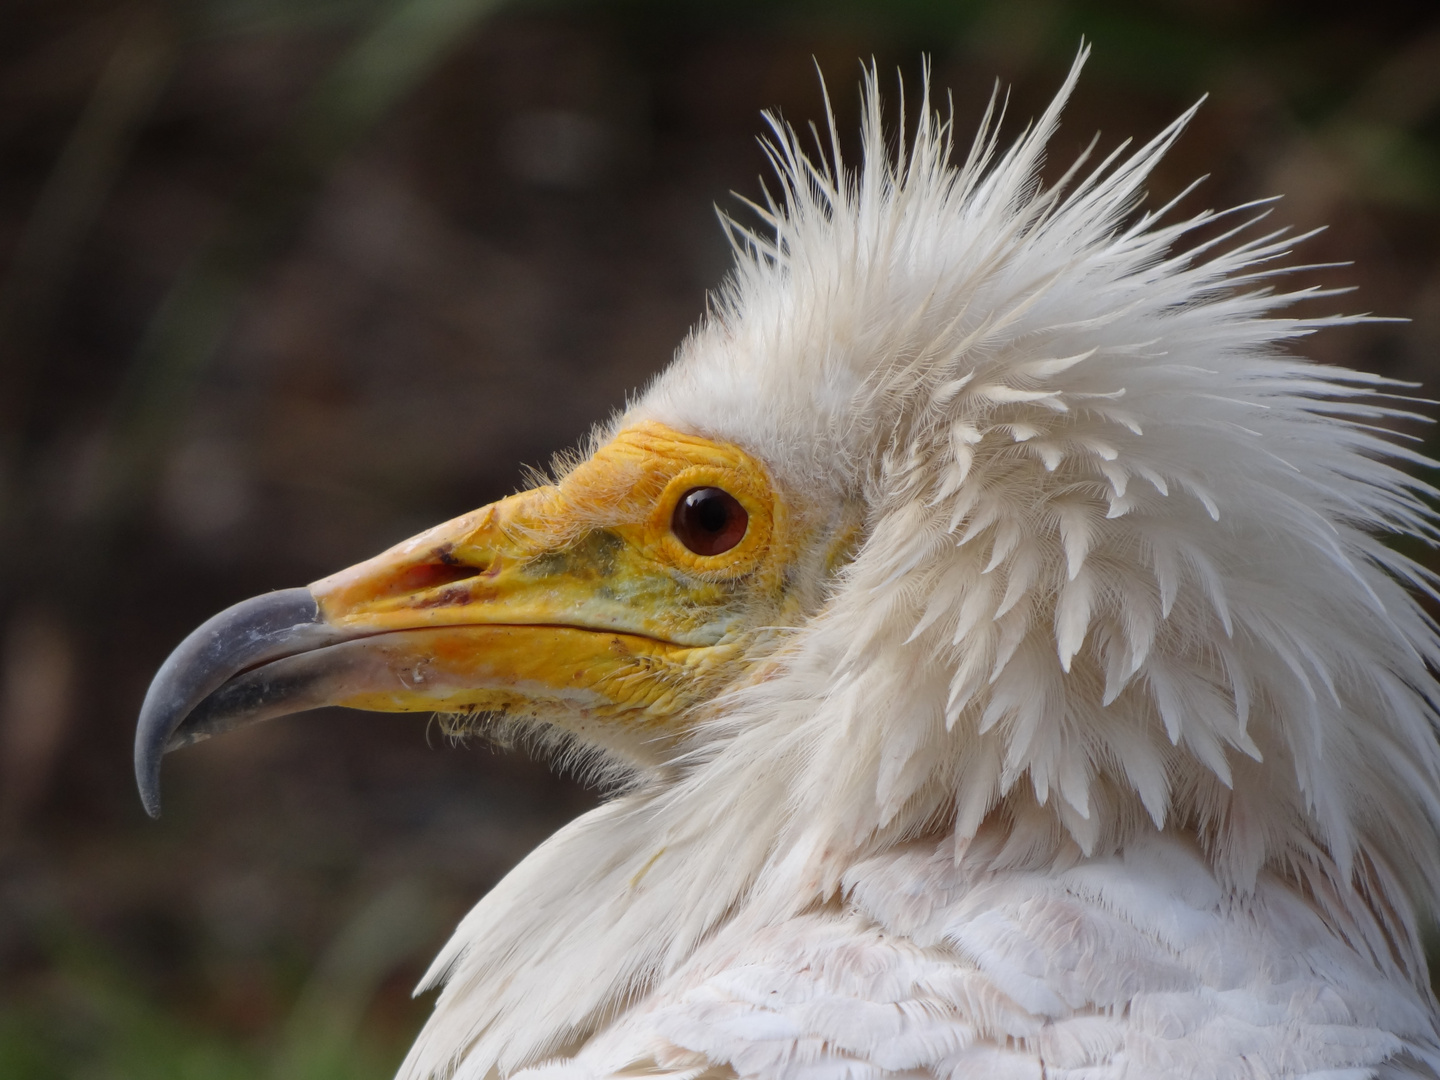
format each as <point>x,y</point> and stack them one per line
<point>571,604</point>
<point>250,633</point>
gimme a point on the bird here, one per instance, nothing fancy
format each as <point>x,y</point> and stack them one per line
<point>991,629</point>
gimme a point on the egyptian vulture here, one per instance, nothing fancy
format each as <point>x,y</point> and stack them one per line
<point>989,621</point>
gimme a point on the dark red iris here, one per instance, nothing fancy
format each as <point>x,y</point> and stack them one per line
<point>709,521</point>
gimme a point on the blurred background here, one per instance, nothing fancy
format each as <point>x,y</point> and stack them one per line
<point>284,281</point>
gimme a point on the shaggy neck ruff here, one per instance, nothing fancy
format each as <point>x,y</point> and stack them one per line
<point>1120,575</point>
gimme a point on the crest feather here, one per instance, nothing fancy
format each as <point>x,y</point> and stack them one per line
<point>1134,538</point>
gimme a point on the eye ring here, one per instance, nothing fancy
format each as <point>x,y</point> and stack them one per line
<point>709,520</point>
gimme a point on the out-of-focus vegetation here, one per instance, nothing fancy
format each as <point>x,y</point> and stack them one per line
<point>282,281</point>
<point>94,1018</point>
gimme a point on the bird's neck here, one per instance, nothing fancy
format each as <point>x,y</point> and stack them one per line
<point>623,897</point>
<point>593,917</point>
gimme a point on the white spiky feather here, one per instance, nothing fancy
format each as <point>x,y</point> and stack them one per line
<point>1112,752</point>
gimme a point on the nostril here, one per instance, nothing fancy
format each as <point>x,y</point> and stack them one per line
<point>433,575</point>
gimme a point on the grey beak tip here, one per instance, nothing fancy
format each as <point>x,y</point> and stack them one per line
<point>147,778</point>
<point>147,768</point>
<point>249,633</point>
<point>148,753</point>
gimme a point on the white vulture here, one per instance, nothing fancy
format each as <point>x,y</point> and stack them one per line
<point>988,622</point>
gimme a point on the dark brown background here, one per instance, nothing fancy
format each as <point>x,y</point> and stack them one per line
<point>283,282</point>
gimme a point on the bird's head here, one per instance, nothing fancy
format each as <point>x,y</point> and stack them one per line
<point>973,501</point>
<point>611,605</point>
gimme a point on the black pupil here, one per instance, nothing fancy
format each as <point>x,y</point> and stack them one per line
<point>711,513</point>
<point>709,521</point>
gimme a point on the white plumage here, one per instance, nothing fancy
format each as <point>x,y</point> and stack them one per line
<point>1104,747</point>
<point>1111,753</point>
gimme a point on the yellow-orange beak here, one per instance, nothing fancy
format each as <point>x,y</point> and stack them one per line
<point>593,603</point>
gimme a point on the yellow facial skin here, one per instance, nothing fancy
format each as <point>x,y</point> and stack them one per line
<point>575,602</point>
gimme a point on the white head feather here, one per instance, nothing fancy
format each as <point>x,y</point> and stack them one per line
<point>1120,572</point>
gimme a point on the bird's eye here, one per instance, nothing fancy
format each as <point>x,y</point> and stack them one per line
<point>709,521</point>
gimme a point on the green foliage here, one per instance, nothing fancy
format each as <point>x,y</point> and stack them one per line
<point>90,1018</point>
